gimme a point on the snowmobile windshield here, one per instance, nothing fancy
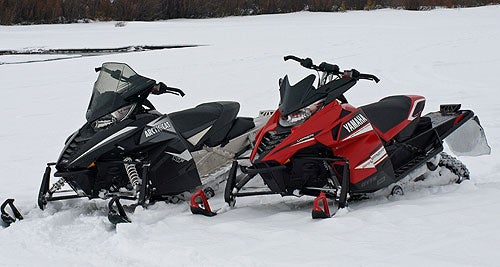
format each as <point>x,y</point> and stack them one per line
<point>115,87</point>
<point>299,95</point>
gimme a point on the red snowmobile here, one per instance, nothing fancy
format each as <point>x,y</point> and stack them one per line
<point>317,144</point>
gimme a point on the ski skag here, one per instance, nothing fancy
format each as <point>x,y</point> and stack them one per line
<point>317,144</point>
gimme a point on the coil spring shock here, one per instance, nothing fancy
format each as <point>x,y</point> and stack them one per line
<point>132,174</point>
<point>56,186</point>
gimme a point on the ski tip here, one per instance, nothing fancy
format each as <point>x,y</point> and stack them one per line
<point>317,211</point>
<point>6,217</point>
<point>200,198</point>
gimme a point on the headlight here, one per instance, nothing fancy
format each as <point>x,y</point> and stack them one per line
<point>122,113</point>
<point>301,115</point>
<point>115,116</point>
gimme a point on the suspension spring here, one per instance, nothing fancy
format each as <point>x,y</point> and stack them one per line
<point>132,173</point>
<point>58,185</point>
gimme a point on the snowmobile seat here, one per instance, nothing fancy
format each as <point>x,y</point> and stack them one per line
<point>240,126</point>
<point>389,112</point>
<point>207,123</point>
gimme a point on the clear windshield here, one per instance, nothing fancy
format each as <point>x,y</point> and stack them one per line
<point>115,87</point>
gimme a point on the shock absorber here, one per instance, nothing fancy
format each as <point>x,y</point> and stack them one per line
<point>133,175</point>
<point>56,186</point>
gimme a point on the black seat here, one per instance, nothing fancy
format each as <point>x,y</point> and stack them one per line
<point>388,112</point>
<point>216,118</point>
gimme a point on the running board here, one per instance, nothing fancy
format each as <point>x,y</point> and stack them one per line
<point>416,162</point>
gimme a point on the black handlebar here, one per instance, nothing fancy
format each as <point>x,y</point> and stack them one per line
<point>304,62</point>
<point>176,91</point>
<point>331,69</point>
<point>358,76</point>
<point>161,88</point>
<point>370,77</point>
<point>292,58</point>
<point>308,64</point>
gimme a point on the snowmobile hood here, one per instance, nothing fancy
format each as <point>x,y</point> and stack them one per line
<point>116,86</point>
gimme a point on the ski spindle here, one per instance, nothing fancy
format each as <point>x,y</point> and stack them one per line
<point>317,211</point>
<point>195,206</point>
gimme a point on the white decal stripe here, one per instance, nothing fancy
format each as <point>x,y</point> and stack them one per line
<point>380,160</point>
<point>184,155</point>
<point>378,155</point>
<point>376,158</point>
<point>197,137</point>
<point>410,117</point>
<point>365,165</point>
<point>303,141</point>
<point>105,141</point>
<point>368,127</point>
<point>152,123</point>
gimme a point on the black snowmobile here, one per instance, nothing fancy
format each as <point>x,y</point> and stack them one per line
<point>128,150</point>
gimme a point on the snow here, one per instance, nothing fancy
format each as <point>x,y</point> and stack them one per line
<point>447,55</point>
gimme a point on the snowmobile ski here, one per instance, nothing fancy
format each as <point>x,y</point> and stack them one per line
<point>6,217</point>
<point>118,215</point>
<point>204,209</point>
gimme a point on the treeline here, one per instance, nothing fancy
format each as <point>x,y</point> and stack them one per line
<point>66,11</point>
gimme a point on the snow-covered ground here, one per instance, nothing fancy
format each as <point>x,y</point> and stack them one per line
<point>449,56</point>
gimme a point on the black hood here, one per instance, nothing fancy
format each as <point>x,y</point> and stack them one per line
<point>116,85</point>
<point>300,95</point>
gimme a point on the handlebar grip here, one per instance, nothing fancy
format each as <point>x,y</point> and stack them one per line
<point>161,88</point>
<point>292,58</point>
<point>304,62</point>
<point>369,77</point>
<point>176,90</point>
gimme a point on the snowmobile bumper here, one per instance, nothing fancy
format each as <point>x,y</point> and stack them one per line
<point>339,194</point>
<point>47,193</point>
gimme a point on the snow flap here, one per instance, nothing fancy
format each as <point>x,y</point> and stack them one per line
<point>469,140</point>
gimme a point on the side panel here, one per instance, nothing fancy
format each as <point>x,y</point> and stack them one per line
<point>172,169</point>
<point>304,135</point>
<point>356,140</point>
<point>158,130</point>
